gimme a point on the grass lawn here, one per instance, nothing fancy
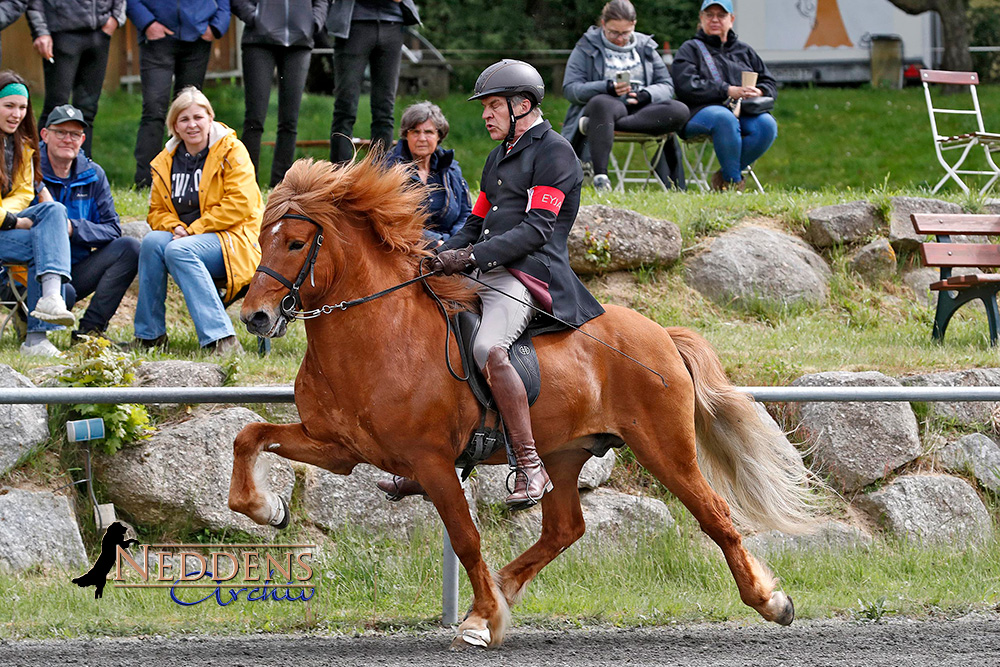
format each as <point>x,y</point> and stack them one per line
<point>834,146</point>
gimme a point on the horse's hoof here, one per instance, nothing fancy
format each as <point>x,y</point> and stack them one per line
<point>787,614</point>
<point>471,637</point>
<point>286,515</point>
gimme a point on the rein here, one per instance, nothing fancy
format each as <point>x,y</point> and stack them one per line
<point>291,304</point>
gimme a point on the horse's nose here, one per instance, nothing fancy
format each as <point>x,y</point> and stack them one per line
<point>257,322</point>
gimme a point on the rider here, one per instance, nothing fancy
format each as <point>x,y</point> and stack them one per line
<point>515,239</point>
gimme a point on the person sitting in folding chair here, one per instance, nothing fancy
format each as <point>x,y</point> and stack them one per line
<point>615,80</point>
<point>708,72</point>
<point>35,236</point>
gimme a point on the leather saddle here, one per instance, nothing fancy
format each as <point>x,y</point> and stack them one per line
<point>487,440</point>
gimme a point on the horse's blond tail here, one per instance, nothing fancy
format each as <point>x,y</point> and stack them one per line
<point>745,460</point>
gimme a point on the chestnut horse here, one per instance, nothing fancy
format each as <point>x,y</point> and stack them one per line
<point>374,387</point>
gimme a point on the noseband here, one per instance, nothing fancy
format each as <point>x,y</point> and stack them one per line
<point>291,304</point>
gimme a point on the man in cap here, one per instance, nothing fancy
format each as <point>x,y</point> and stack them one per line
<point>103,261</point>
<point>515,241</point>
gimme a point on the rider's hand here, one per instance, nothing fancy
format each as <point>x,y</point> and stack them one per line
<point>454,260</point>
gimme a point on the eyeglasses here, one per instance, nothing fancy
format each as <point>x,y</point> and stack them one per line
<point>614,34</point>
<point>719,16</point>
<point>63,135</point>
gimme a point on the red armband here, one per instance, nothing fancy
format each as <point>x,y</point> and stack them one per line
<point>546,197</point>
<point>482,206</point>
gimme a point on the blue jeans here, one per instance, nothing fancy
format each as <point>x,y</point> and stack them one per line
<point>738,142</point>
<point>44,248</point>
<point>195,262</point>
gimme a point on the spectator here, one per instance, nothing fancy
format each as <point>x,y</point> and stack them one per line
<point>368,33</point>
<point>175,42</point>
<point>205,210</point>
<point>276,35</point>
<point>104,262</point>
<point>73,38</point>
<point>616,80</point>
<point>10,11</point>
<point>33,235</point>
<point>708,71</point>
<point>448,204</point>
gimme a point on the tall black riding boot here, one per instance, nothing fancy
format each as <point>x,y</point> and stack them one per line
<point>531,481</point>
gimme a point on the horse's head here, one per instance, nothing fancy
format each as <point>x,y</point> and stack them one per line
<point>370,222</point>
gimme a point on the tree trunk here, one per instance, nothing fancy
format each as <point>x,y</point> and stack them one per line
<point>954,27</point>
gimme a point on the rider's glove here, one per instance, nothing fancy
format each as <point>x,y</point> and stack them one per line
<point>452,261</point>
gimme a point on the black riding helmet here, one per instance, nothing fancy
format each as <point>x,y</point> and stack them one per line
<point>506,79</point>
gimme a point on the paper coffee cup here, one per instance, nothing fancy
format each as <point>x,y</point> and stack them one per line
<point>85,429</point>
<point>749,79</point>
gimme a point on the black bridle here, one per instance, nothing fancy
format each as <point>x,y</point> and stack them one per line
<point>291,304</point>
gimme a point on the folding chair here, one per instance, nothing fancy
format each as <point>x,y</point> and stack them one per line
<point>700,162</point>
<point>650,150</point>
<point>13,295</point>
<point>965,142</point>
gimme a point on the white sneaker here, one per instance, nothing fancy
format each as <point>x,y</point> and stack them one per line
<point>602,183</point>
<point>53,309</point>
<point>42,349</point>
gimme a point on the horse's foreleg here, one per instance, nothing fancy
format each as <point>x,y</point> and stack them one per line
<point>562,524</point>
<point>673,461</point>
<point>248,492</point>
<point>487,621</point>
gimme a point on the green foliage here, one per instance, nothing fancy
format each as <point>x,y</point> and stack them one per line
<point>96,363</point>
<point>871,611</point>
<point>597,248</point>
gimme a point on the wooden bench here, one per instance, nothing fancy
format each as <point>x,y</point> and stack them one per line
<point>956,291</point>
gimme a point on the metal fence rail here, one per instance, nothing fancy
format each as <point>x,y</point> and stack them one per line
<point>286,394</point>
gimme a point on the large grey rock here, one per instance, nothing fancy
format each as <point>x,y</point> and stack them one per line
<point>830,535</point>
<point>919,281</point>
<point>607,513</point>
<point>174,373</point>
<point>977,454</point>
<point>596,471</point>
<point>841,224</point>
<point>974,415</point>
<point>901,233</point>
<point>137,229</point>
<point>930,508</point>
<point>633,239</point>
<point>875,262</point>
<point>38,528</point>
<point>24,427</point>
<point>858,443</point>
<point>753,263</point>
<point>182,473</point>
<point>336,501</point>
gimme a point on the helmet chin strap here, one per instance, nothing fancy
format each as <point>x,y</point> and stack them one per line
<point>513,121</point>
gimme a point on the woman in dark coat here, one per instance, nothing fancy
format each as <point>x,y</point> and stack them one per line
<point>708,75</point>
<point>616,80</point>
<point>422,129</point>
<point>277,35</point>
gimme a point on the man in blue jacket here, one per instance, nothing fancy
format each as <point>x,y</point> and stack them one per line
<point>175,42</point>
<point>104,262</point>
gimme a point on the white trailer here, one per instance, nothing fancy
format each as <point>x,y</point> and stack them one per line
<point>828,41</point>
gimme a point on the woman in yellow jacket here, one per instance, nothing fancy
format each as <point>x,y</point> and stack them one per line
<point>35,236</point>
<point>205,210</point>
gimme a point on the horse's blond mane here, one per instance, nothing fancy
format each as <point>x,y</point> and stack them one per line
<point>365,195</point>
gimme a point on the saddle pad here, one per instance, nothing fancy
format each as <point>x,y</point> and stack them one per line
<point>522,355</point>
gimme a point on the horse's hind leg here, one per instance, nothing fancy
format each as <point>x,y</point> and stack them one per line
<point>671,457</point>
<point>248,492</point>
<point>562,524</point>
<point>487,621</point>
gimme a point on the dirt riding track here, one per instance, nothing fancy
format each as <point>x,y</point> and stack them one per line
<point>973,640</point>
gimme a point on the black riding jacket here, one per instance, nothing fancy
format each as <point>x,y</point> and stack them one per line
<point>522,219</point>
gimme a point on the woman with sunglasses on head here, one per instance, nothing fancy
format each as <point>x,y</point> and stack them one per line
<point>616,80</point>
<point>36,236</point>
<point>708,71</point>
